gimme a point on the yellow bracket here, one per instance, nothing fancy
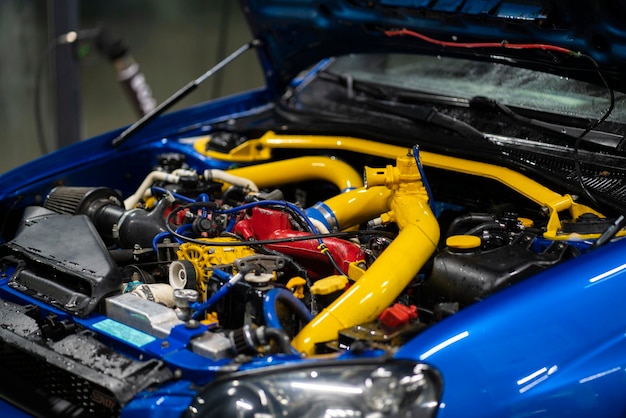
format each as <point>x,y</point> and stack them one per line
<point>296,285</point>
<point>260,149</point>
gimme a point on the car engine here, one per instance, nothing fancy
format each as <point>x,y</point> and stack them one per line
<point>198,269</point>
<point>242,255</point>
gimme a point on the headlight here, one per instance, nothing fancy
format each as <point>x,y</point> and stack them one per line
<point>367,389</point>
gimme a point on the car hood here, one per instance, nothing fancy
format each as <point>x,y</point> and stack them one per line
<point>583,40</point>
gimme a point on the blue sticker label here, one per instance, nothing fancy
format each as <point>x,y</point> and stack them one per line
<point>124,332</point>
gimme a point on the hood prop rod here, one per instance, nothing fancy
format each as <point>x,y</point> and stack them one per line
<point>183,92</point>
<point>610,232</point>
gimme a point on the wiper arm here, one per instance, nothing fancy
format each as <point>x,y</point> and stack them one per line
<point>377,97</point>
<point>425,115</point>
<point>378,91</point>
<point>183,92</point>
<point>605,139</point>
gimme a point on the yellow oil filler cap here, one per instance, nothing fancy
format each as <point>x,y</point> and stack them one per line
<point>463,242</point>
<point>329,284</point>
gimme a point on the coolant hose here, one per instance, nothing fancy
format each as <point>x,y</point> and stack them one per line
<point>249,338</point>
<point>285,296</point>
<point>133,199</point>
<point>281,338</point>
<point>150,179</point>
<point>228,177</point>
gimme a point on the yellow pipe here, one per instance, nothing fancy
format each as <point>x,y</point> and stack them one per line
<point>354,207</point>
<point>276,173</point>
<point>261,149</point>
<point>394,269</point>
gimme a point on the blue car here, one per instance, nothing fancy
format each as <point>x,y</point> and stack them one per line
<point>420,215</point>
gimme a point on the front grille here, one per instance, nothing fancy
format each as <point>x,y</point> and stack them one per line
<point>45,389</point>
<point>75,375</point>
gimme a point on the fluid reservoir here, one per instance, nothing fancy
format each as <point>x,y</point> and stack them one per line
<point>463,272</point>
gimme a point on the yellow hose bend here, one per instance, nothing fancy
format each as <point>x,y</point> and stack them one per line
<point>353,208</point>
<point>292,170</point>
<point>387,277</point>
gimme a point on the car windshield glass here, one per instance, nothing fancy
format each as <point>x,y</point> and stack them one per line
<point>463,78</point>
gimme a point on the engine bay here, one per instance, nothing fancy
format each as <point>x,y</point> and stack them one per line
<point>304,255</point>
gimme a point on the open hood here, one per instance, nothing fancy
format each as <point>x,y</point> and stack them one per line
<point>554,35</point>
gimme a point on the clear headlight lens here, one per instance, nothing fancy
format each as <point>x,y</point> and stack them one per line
<point>367,389</point>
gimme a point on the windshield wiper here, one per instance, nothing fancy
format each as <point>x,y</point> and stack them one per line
<point>399,98</point>
<point>379,98</point>
<point>428,115</point>
<point>605,139</point>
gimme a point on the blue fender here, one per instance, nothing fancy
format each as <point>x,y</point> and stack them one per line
<point>553,345</point>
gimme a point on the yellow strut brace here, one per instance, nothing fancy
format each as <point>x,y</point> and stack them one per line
<point>261,149</point>
<point>385,279</point>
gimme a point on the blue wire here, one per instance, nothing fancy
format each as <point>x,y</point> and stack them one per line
<point>203,197</point>
<point>291,206</point>
<point>231,224</point>
<point>161,190</point>
<point>431,200</point>
<point>159,236</point>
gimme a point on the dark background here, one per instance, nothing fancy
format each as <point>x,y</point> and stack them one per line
<point>174,42</point>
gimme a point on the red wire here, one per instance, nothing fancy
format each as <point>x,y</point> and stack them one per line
<point>503,44</point>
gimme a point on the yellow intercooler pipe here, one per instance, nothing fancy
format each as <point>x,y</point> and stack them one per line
<point>394,269</point>
<point>262,148</point>
<point>292,170</point>
<point>346,210</point>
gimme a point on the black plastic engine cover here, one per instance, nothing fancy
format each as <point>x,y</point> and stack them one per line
<point>62,260</point>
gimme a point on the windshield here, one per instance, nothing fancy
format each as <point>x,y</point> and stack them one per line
<point>466,79</point>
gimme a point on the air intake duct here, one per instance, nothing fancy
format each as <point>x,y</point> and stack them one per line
<point>75,200</point>
<point>105,208</point>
